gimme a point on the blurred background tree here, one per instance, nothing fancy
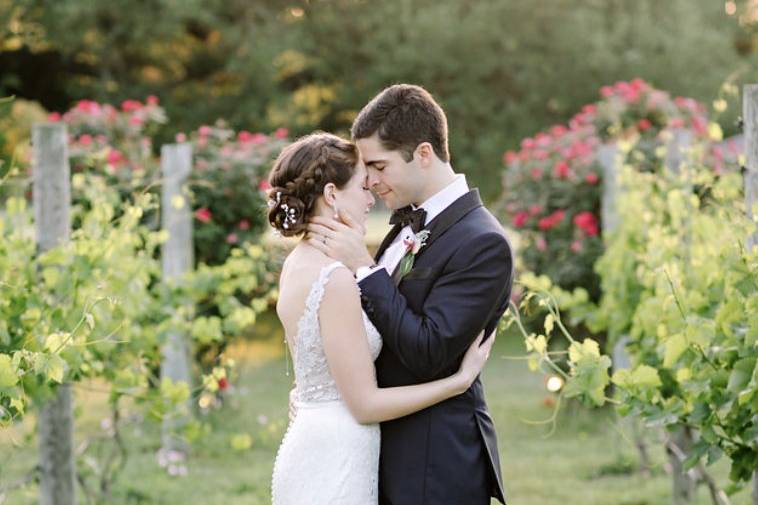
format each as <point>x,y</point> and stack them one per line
<point>503,69</point>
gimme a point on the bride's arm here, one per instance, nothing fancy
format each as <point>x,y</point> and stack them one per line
<point>347,352</point>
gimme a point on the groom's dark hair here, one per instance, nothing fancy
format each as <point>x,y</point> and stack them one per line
<point>404,116</point>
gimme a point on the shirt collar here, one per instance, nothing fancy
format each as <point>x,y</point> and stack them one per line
<point>443,198</point>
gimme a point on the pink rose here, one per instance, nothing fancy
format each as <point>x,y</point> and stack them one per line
<point>244,224</point>
<point>152,100</point>
<point>130,105</point>
<point>644,124</point>
<point>591,178</point>
<point>561,170</point>
<point>281,133</point>
<point>700,125</point>
<point>203,215</point>
<point>54,117</point>
<point>576,245</point>
<point>88,106</point>
<point>558,130</point>
<point>509,157</point>
<point>535,209</point>
<point>85,139</point>
<point>231,238</point>
<point>541,243</point>
<point>264,185</point>
<point>115,157</point>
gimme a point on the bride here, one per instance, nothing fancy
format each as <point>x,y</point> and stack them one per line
<point>330,453</point>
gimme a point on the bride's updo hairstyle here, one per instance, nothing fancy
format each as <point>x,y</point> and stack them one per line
<point>300,174</point>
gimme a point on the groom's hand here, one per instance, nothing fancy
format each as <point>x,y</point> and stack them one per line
<point>342,240</point>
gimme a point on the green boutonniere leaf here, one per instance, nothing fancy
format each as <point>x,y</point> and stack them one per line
<point>406,264</point>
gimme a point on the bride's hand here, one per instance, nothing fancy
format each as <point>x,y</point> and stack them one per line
<point>475,359</point>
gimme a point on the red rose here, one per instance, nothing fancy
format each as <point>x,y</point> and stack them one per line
<point>223,384</point>
<point>152,100</point>
<point>244,224</point>
<point>591,178</point>
<point>644,124</point>
<point>203,215</point>
<point>520,219</point>
<point>54,116</point>
<point>553,219</point>
<point>587,222</point>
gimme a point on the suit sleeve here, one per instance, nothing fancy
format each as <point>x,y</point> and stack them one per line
<point>461,302</point>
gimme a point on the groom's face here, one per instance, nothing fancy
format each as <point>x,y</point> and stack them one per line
<point>390,177</point>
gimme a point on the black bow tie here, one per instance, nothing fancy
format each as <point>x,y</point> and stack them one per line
<point>407,216</point>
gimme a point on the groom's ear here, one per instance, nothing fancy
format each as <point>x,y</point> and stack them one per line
<point>424,153</point>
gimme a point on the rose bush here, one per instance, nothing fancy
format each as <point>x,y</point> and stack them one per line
<point>228,183</point>
<point>552,185</point>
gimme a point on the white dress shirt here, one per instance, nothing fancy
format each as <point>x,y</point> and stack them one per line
<point>433,207</point>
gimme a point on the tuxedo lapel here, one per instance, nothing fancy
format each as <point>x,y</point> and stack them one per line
<point>451,215</point>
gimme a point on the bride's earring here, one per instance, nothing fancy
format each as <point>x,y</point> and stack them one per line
<point>336,212</point>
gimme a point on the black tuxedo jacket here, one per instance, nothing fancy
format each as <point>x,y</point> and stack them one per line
<point>460,284</point>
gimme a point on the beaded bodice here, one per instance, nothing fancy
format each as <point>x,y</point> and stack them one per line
<point>314,382</point>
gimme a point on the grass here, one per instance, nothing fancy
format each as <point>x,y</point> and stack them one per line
<point>585,461</point>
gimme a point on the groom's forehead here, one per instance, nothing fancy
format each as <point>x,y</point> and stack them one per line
<point>372,149</point>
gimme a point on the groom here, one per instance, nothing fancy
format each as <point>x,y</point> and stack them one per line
<point>430,311</point>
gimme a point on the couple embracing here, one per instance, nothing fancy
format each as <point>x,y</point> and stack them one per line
<point>387,351</point>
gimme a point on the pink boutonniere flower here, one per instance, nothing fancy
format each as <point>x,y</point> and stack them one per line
<point>413,245</point>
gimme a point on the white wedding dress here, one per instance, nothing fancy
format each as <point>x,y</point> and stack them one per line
<point>326,456</point>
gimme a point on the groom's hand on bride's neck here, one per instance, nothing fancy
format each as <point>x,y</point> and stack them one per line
<point>341,239</point>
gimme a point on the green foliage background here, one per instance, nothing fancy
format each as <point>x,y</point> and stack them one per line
<point>503,69</point>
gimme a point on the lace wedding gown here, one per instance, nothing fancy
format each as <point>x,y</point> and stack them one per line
<point>326,456</point>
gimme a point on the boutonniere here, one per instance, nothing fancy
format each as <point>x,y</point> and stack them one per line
<point>413,245</point>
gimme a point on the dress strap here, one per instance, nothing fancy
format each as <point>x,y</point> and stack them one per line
<point>317,291</point>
